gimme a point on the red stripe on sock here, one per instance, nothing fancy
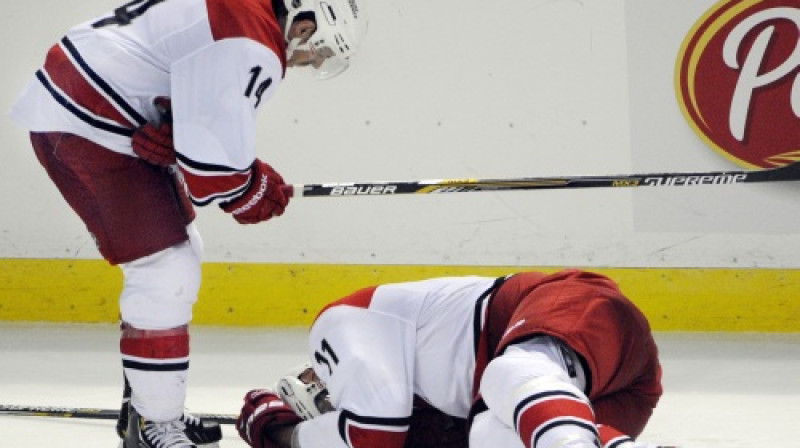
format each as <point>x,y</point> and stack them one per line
<point>155,344</point>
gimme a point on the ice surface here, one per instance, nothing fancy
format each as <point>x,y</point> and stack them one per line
<point>729,390</point>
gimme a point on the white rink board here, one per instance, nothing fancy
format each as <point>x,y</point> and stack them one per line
<point>532,88</point>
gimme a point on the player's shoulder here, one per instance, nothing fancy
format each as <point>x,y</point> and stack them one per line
<point>359,299</point>
<point>252,19</point>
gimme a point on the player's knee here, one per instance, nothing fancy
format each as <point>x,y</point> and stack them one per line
<point>161,289</point>
<point>509,382</point>
<point>512,377</point>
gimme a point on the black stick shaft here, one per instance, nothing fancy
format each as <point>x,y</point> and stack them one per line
<point>789,172</point>
<point>89,413</point>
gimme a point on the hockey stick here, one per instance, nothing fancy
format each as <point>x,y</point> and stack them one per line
<point>90,413</point>
<point>790,172</point>
<point>104,414</point>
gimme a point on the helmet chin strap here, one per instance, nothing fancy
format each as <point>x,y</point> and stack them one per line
<point>323,61</point>
<point>293,45</point>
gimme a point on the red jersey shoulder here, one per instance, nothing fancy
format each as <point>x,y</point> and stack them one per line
<point>253,19</point>
<point>360,299</point>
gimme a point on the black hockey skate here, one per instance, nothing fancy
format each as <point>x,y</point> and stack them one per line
<point>199,431</point>
<point>143,433</point>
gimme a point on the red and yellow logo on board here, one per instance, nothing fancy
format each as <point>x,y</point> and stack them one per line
<point>738,81</point>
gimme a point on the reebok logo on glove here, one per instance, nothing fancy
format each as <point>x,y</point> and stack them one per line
<point>264,198</point>
<point>262,188</point>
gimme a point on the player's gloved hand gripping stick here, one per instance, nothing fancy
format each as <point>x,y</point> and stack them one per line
<point>266,196</point>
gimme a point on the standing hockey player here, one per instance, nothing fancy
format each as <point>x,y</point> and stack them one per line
<point>102,112</point>
<point>531,360</point>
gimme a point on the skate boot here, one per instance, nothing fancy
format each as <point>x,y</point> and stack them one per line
<point>143,433</point>
<point>202,432</point>
<point>205,433</point>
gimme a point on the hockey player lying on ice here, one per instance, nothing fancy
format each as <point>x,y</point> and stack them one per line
<point>529,360</point>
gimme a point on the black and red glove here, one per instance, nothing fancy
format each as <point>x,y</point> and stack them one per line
<point>267,196</point>
<point>262,413</point>
<point>153,142</point>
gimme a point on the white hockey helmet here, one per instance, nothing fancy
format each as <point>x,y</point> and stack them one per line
<point>341,27</point>
<point>304,392</point>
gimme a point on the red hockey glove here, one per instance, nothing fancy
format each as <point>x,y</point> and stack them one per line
<point>265,197</point>
<point>263,412</point>
<point>152,142</point>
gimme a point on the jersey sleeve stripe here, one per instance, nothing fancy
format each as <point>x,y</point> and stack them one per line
<point>207,182</point>
<point>361,432</point>
<point>198,166</point>
<point>206,189</point>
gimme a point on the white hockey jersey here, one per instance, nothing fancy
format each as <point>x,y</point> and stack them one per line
<point>420,341</point>
<point>218,61</point>
<point>379,347</point>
